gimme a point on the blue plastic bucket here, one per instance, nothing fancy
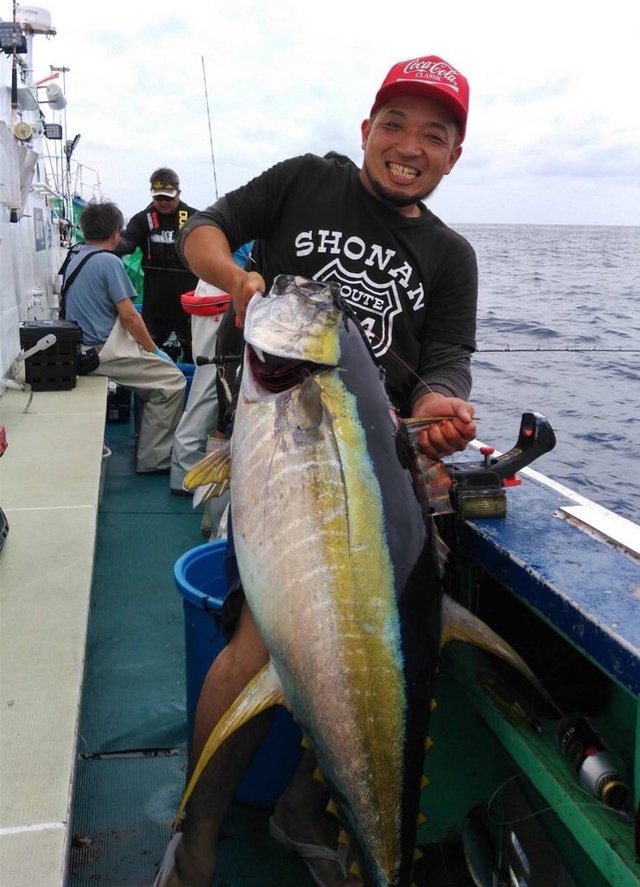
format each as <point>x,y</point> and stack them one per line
<point>187,370</point>
<point>200,578</point>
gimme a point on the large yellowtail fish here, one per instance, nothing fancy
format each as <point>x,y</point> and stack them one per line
<point>337,564</point>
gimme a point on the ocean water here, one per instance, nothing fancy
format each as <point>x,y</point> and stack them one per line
<point>559,333</point>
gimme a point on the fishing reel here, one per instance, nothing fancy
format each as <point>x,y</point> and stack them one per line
<point>479,488</point>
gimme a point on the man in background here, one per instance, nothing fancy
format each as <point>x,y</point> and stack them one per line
<point>98,297</point>
<point>154,230</point>
<point>206,308</point>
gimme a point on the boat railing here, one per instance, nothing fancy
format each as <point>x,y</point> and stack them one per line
<point>85,183</point>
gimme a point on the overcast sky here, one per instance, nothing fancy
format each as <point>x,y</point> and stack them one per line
<point>554,124</point>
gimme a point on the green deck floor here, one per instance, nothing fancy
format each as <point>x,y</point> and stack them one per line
<point>132,743</point>
<point>132,751</point>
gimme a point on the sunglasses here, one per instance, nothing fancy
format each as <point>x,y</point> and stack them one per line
<point>162,198</point>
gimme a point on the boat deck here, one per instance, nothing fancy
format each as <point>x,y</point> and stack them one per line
<point>93,725</point>
<point>549,552</point>
<point>49,490</point>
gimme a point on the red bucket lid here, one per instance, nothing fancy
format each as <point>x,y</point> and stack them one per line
<point>205,305</point>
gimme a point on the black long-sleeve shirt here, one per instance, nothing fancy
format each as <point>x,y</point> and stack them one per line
<point>412,282</point>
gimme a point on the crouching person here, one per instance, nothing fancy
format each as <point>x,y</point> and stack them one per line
<point>98,295</point>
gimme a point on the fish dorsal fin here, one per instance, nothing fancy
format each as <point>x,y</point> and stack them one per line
<point>213,472</point>
<point>433,482</point>
<point>417,424</point>
<point>262,692</point>
<point>460,624</point>
<point>438,483</point>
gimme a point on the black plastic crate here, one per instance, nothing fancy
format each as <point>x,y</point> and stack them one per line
<point>118,404</point>
<point>53,369</point>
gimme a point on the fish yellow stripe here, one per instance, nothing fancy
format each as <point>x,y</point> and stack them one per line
<point>360,562</point>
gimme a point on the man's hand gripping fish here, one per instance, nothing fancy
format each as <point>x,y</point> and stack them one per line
<point>336,556</point>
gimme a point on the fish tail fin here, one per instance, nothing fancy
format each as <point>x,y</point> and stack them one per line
<point>459,624</point>
<point>212,473</point>
<point>262,692</point>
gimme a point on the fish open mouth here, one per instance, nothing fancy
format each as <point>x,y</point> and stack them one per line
<point>277,374</point>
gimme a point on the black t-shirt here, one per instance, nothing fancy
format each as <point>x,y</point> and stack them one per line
<point>411,281</point>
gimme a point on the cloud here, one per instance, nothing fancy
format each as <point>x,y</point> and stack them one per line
<point>552,128</point>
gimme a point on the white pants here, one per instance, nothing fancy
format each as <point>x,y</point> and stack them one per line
<point>160,386</point>
<point>201,413</point>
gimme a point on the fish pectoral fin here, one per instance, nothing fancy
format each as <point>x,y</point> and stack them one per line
<point>209,491</point>
<point>213,469</point>
<point>460,624</point>
<point>262,692</point>
<point>308,409</point>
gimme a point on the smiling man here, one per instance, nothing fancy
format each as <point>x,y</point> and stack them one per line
<point>412,282</point>
<point>414,133</point>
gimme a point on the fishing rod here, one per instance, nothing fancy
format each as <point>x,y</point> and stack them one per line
<point>508,350</point>
<point>206,96</point>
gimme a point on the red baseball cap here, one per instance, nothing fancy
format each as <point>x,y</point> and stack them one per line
<point>432,77</point>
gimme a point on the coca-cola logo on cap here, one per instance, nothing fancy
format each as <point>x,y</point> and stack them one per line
<point>429,69</point>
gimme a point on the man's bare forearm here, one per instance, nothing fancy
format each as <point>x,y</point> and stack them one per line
<point>208,254</point>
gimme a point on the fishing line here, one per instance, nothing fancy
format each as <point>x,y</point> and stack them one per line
<point>400,360</point>
<point>549,808</point>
